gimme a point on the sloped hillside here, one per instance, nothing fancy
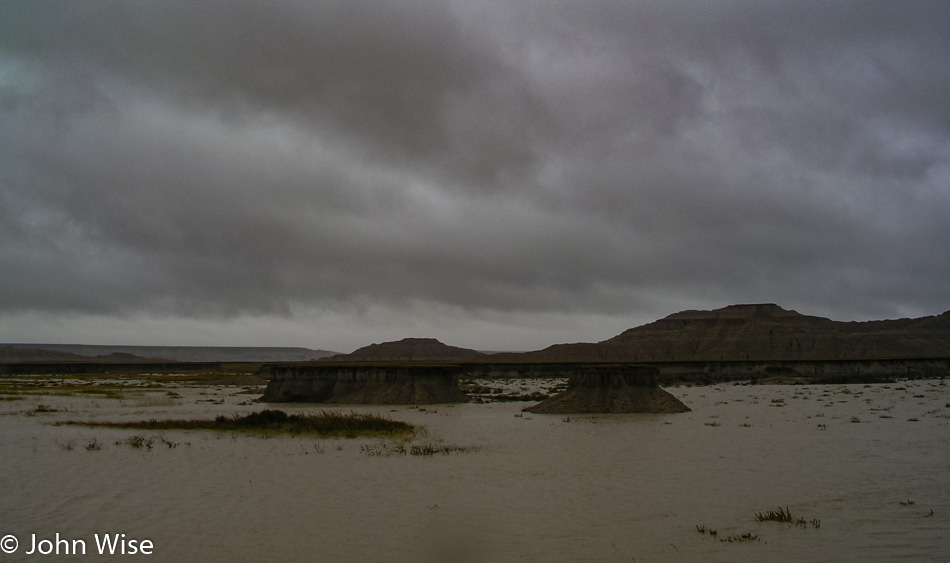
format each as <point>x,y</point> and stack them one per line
<point>409,350</point>
<point>761,332</point>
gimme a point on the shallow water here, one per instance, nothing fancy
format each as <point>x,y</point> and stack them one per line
<point>528,488</point>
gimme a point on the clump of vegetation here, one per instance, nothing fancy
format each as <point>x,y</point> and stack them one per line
<point>373,452</point>
<point>146,442</point>
<point>137,442</point>
<point>430,449</point>
<point>386,450</point>
<point>782,515</point>
<point>748,536</point>
<point>785,515</point>
<point>325,423</point>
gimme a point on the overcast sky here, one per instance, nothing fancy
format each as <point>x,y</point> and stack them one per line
<point>499,175</point>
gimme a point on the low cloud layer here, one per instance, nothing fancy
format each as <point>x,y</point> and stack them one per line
<point>468,170</point>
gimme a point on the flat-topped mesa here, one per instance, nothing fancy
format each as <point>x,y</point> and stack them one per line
<point>740,311</point>
<point>408,350</point>
<point>366,385</point>
<point>616,388</point>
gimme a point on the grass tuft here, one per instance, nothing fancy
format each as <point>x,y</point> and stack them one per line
<point>735,538</point>
<point>783,515</point>
<point>386,450</point>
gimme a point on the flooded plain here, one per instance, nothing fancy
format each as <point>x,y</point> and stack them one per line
<point>864,471</point>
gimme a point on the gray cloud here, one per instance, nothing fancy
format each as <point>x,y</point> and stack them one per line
<point>588,160</point>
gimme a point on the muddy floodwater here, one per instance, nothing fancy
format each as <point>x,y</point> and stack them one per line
<point>864,471</point>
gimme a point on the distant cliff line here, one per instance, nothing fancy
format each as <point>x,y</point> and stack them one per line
<point>116,353</point>
<point>736,333</point>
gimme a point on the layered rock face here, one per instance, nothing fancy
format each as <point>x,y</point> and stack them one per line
<point>612,389</point>
<point>367,385</point>
<point>760,332</point>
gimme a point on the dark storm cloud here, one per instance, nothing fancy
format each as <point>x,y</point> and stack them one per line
<point>210,160</point>
<point>384,76</point>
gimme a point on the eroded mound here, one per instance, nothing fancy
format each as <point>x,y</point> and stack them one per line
<point>612,389</point>
<point>367,385</point>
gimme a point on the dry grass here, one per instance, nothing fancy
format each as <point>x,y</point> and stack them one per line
<point>782,515</point>
<point>329,424</point>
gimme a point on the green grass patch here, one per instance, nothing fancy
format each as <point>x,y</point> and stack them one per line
<point>328,424</point>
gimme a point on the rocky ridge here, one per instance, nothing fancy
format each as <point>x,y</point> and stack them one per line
<point>758,332</point>
<point>612,389</point>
